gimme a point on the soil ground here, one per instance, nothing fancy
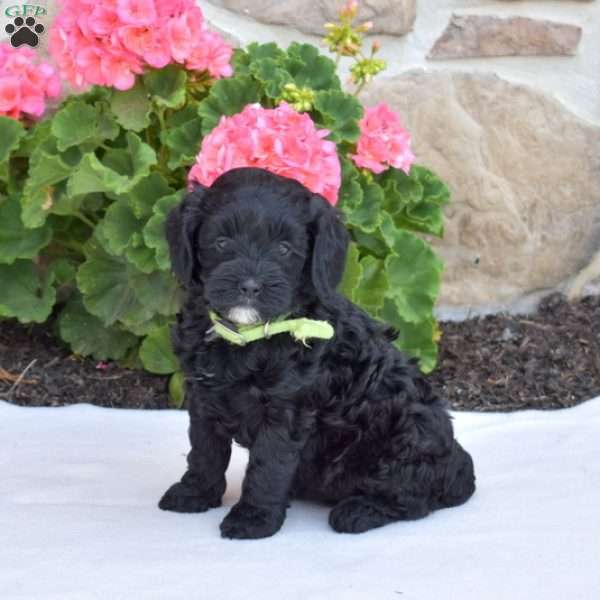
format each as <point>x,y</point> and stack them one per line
<point>52,376</point>
<point>550,359</point>
<point>547,360</point>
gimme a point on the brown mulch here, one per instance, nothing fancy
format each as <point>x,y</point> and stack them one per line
<point>547,360</point>
<point>37,370</point>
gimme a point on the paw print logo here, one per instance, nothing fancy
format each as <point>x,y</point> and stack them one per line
<point>24,32</point>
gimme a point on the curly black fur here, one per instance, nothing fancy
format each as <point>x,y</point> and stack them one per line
<point>350,421</point>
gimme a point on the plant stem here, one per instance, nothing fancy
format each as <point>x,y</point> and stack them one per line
<point>163,152</point>
<point>359,89</point>
<point>84,219</point>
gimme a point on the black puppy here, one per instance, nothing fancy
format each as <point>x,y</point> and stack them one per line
<point>348,421</point>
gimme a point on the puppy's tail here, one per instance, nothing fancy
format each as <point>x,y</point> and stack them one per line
<point>459,480</point>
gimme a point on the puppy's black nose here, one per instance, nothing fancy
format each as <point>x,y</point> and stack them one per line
<point>250,288</point>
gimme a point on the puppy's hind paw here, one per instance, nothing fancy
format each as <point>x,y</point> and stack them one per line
<point>250,522</point>
<point>184,498</point>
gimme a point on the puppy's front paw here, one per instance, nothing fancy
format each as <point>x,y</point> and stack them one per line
<point>250,522</point>
<point>185,498</point>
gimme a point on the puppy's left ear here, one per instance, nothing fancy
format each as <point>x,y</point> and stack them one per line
<point>329,247</point>
<point>181,226</point>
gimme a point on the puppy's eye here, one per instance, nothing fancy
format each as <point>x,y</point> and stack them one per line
<point>221,243</point>
<point>284,248</point>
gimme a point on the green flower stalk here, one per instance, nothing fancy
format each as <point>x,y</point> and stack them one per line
<point>363,71</point>
<point>346,39</point>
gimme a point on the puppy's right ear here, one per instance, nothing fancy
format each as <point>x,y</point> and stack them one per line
<point>181,227</point>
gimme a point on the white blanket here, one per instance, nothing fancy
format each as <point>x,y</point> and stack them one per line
<point>79,521</point>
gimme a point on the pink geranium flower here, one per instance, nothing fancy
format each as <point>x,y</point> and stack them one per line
<point>280,140</point>
<point>25,83</point>
<point>137,12</point>
<point>383,141</point>
<point>109,42</point>
<point>213,55</point>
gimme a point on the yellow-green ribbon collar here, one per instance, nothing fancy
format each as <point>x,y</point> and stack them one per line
<point>300,329</point>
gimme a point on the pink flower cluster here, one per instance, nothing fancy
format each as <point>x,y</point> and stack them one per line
<point>25,83</point>
<point>109,42</point>
<point>280,140</point>
<point>383,141</point>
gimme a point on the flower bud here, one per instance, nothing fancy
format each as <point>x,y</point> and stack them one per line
<point>350,9</point>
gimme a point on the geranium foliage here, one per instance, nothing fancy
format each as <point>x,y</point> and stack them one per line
<point>84,195</point>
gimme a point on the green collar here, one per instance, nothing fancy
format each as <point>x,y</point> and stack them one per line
<point>299,329</point>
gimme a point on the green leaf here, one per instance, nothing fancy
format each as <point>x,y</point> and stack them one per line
<point>272,76</point>
<point>166,86</point>
<point>434,189</point>
<point>416,339</point>
<point>124,222</point>
<point>143,328</point>
<point>426,218</point>
<point>74,124</point>
<point>243,58</point>
<point>46,168</point>
<point>352,272</point>
<point>118,172</point>
<point>414,273</point>
<point>340,113</point>
<point>364,210</point>
<point>227,97</point>
<point>177,390</point>
<point>370,243</point>
<point>256,52</point>
<point>107,128</point>
<point>154,232</point>
<point>415,201</point>
<point>159,292</point>
<point>310,68</point>
<point>11,132</point>
<point>107,284</point>
<point>61,203</point>
<point>132,107</point>
<point>15,240</point>
<point>96,93</point>
<point>373,286</point>
<point>240,61</point>
<point>156,352</point>
<point>142,257</point>
<point>400,190</point>
<point>115,290</point>
<point>183,136</point>
<point>350,191</point>
<point>83,126</point>
<point>146,193</point>
<point>63,270</point>
<point>88,336</point>
<point>35,136</point>
<point>118,226</point>
<point>23,295</point>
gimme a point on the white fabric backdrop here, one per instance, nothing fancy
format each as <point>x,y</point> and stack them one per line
<point>78,518</point>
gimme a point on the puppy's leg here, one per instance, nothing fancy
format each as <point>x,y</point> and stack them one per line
<point>274,458</point>
<point>459,478</point>
<point>421,469</point>
<point>203,485</point>
<point>361,513</point>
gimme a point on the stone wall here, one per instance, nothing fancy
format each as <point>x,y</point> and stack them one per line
<point>503,100</point>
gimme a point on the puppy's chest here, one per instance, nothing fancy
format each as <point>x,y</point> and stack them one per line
<point>262,370</point>
<point>246,386</point>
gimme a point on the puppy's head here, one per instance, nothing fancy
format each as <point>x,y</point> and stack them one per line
<point>256,245</point>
